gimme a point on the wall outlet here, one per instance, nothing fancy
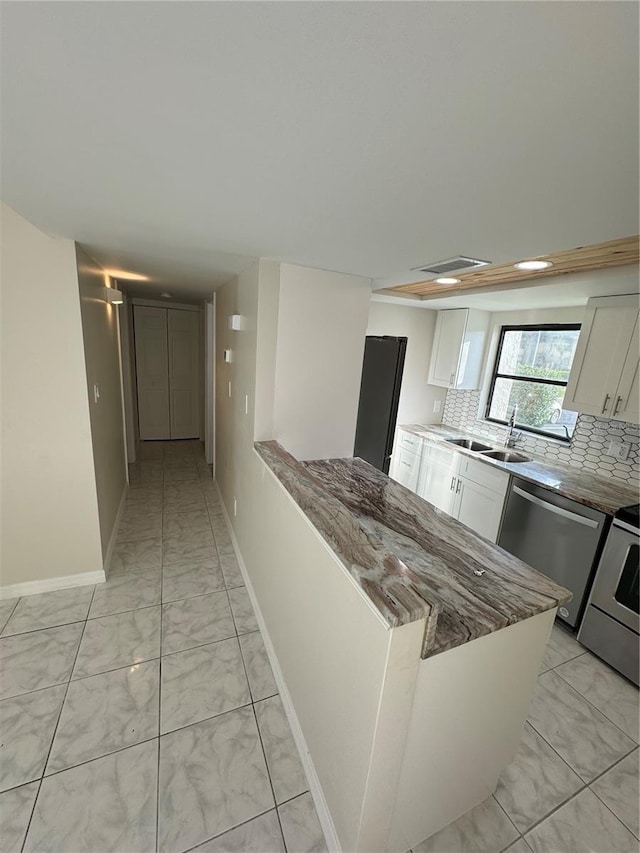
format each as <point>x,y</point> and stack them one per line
<point>619,450</point>
<point>437,407</point>
<point>235,507</point>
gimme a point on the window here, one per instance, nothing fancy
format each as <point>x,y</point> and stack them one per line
<point>531,372</point>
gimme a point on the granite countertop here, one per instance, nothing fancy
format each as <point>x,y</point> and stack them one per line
<point>411,559</point>
<point>601,493</point>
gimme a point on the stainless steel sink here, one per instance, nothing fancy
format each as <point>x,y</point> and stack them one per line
<point>469,443</point>
<point>506,456</point>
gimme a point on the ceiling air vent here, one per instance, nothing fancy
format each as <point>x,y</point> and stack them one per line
<point>452,265</point>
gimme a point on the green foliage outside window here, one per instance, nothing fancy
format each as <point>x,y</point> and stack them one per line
<point>536,402</point>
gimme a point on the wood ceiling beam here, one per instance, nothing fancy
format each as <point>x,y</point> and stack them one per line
<point>614,253</point>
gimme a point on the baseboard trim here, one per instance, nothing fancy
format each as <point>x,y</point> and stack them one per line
<point>18,590</point>
<point>114,533</point>
<point>315,788</point>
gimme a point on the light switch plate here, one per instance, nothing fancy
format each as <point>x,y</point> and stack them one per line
<point>437,407</point>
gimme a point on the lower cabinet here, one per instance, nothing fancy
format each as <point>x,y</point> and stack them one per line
<point>480,508</point>
<point>406,469</point>
<point>466,489</point>
<point>406,459</point>
<point>437,482</point>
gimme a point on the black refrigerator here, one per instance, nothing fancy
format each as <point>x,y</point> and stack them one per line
<point>379,394</point>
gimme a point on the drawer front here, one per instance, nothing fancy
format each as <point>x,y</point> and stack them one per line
<point>484,474</point>
<point>409,441</point>
<point>408,469</point>
<point>445,455</point>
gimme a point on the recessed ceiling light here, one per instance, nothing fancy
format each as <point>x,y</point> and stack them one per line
<point>127,276</point>
<point>166,295</point>
<point>448,280</point>
<point>533,265</point>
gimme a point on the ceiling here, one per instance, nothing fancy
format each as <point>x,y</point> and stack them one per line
<point>572,290</point>
<point>182,140</point>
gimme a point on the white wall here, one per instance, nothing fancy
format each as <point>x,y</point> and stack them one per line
<point>417,398</point>
<point>322,323</point>
<point>321,629</point>
<point>49,504</point>
<point>100,331</point>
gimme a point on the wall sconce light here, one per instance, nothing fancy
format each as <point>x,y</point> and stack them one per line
<point>228,356</point>
<point>113,296</point>
<point>235,322</point>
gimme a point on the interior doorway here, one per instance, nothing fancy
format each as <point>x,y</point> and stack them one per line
<point>168,371</point>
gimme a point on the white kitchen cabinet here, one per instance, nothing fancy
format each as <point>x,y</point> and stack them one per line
<point>479,508</point>
<point>458,347</point>
<point>406,459</point>
<point>604,375</point>
<point>468,489</point>
<point>407,469</point>
<point>437,483</point>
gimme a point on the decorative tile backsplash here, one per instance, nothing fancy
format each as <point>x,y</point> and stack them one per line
<point>588,448</point>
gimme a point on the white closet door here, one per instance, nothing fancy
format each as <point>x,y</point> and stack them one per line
<point>184,373</point>
<point>152,372</point>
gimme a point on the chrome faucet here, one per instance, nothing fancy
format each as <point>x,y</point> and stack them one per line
<point>512,435</point>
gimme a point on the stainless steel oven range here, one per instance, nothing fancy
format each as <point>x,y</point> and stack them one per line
<point>611,624</point>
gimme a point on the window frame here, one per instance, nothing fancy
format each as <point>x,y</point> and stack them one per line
<point>527,327</point>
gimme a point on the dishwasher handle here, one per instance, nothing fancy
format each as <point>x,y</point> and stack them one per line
<point>572,516</point>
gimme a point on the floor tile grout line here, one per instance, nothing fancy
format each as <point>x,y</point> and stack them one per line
<point>551,746</point>
<point>595,707</point>
<point>266,761</point>
<point>13,610</point>
<point>608,807</point>
<point>47,628</point>
<point>507,815</point>
<point>100,757</point>
<point>573,770</point>
<point>132,663</point>
<point>55,730</point>
<point>585,786</point>
<point>230,829</point>
<point>575,793</point>
<point>553,749</point>
<point>206,719</point>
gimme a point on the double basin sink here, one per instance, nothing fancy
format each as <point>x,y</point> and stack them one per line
<point>488,451</point>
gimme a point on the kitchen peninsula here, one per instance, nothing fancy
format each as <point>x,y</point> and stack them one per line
<point>439,635</point>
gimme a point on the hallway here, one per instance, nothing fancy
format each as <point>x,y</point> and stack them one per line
<point>148,702</point>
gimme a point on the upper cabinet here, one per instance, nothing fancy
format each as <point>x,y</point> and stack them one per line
<point>604,375</point>
<point>458,346</point>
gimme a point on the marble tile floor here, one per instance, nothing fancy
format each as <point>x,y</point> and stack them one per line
<point>573,784</point>
<point>143,715</point>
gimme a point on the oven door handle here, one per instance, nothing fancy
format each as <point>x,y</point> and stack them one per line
<point>572,516</point>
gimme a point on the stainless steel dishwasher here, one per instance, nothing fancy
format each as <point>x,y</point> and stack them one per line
<point>557,536</point>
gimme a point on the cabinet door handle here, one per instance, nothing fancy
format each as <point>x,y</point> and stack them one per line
<point>604,405</point>
<point>408,464</point>
<point>453,480</point>
<point>617,405</point>
<point>458,487</point>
